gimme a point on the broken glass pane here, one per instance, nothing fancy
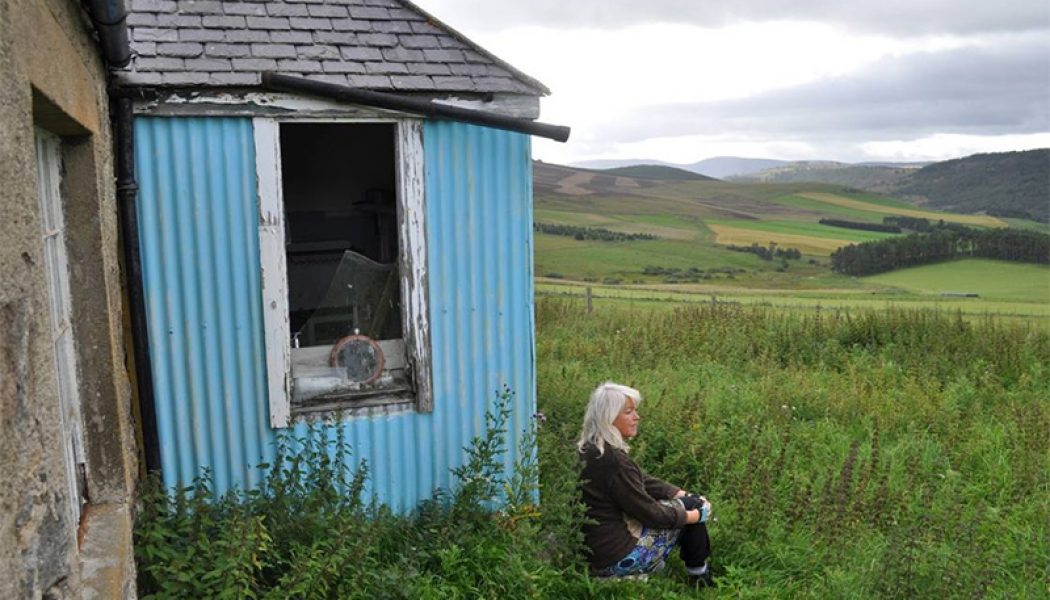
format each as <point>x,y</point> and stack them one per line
<point>362,297</point>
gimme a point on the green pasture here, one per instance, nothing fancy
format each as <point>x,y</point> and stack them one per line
<point>832,210</point>
<point>804,300</point>
<point>811,229</point>
<point>991,279</point>
<point>1028,224</point>
<point>871,198</point>
<point>599,259</point>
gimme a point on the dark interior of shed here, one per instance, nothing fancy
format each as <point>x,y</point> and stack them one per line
<point>338,184</point>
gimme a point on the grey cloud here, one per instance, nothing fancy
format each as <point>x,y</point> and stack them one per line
<point>988,91</point>
<point>889,17</point>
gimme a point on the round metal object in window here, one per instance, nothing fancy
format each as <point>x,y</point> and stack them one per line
<point>361,356</point>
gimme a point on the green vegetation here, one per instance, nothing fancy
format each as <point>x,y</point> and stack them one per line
<point>826,208</point>
<point>869,258</point>
<point>990,279</point>
<point>809,229</point>
<point>1020,308</point>
<point>1009,184</point>
<point>590,233</point>
<point>896,454</point>
<point>309,533</point>
<point>598,260</point>
<point>883,228</point>
<point>893,454</point>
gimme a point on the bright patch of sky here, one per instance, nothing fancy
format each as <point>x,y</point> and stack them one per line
<point>682,81</point>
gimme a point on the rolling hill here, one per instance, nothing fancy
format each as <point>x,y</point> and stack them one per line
<point>662,172</point>
<point>691,226</point>
<point>718,167</point>
<point>874,178</point>
<point>1006,184</point>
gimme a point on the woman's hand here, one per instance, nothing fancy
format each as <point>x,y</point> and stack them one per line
<point>692,516</point>
<point>697,504</point>
<point>680,494</point>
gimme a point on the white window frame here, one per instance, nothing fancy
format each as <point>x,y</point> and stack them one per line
<point>412,259</point>
<point>56,259</point>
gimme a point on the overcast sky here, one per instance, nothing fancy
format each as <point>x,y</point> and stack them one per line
<point>684,80</point>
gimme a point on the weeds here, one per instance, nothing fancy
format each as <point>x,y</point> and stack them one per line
<point>862,455</point>
<point>894,454</point>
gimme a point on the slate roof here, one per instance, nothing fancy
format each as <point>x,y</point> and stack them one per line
<point>389,45</point>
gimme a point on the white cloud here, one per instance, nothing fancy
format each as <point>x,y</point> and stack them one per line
<point>900,18</point>
<point>944,146</point>
<point>680,80</point>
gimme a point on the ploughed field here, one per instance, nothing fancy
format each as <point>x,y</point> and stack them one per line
<point>862,454</point>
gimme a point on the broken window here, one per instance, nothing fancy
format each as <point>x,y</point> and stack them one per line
<point>339,185</point>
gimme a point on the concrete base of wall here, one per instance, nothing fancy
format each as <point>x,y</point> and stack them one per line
<point>107,569</point>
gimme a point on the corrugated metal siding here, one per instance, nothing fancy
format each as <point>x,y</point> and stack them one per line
<point>479,228</point>
<point>199,228</point>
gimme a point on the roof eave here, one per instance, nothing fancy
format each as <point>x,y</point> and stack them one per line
<point>523,77</point>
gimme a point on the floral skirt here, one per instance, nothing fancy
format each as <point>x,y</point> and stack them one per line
<point>648,555</point>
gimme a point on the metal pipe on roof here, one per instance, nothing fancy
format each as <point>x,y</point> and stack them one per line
<point>110,18</point>
<point>429,108</point>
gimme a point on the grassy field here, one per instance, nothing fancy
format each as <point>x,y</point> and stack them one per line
<point>589,259</point>
<point>805,228</point>
<point>696,219</point>
<point>991,279</point>
<point>1034,314</point>
<point>887,454</point>
<point>899,209</point>
<point>754,233</point>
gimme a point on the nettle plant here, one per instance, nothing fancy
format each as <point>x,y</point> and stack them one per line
<point>309,531</point>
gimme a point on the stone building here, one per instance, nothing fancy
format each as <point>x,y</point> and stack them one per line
<point>66,428</point>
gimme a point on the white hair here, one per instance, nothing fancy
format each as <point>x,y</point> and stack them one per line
<point>607,400</point>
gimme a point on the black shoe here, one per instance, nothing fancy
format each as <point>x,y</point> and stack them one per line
<point>707,580</point>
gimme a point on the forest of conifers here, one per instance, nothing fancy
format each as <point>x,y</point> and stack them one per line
<point>917,249</point>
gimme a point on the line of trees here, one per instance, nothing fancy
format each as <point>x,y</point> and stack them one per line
<point>883,227</point>
<point>768,252</point>
<point>921,225</point>
<point>591,233</point>
<point>942,244</point>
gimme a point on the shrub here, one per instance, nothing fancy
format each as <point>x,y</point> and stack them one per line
<point>307,532</point>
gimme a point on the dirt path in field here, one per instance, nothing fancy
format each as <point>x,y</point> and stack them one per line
<point>571,185</point>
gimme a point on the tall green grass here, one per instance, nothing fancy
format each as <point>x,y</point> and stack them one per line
<point>890,454</point>
<point>895,454</point>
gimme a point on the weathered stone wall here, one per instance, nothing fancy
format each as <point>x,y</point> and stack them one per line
<point>52,76</point>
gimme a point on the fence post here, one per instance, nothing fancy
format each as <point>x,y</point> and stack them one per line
<point>590,302</point>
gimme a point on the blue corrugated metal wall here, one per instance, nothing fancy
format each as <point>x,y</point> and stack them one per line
<point>199,223</point>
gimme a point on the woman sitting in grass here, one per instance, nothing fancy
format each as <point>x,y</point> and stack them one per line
<point>637,518</point>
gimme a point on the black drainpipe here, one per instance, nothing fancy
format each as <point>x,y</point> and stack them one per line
<point>127,194</point>
<point>110,19</point>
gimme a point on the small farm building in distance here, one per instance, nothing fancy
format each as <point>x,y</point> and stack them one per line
<point>311,251</point>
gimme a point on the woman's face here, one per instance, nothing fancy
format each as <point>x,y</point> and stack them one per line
<point>627,421</point>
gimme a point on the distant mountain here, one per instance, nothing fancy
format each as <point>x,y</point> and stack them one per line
<point>718,167</point>
<point>729,166</point>
<point>614,163</point>
<point>1006,184</point>
<point>662,172</point>
<point>875,177</point>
